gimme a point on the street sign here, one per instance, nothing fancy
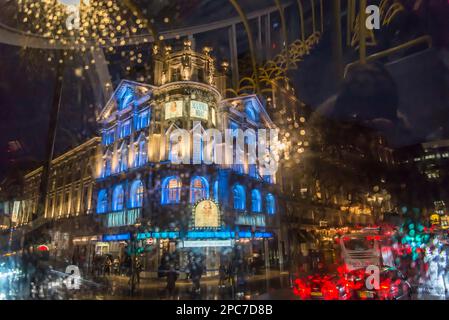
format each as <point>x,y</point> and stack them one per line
<point>150,241</point>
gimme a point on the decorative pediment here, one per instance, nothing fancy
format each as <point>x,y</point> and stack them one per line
<point>253,109</point>
<point>126,94</point>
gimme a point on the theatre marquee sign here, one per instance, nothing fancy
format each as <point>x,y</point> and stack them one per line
<point>199,110</point>
<point>174,109</point>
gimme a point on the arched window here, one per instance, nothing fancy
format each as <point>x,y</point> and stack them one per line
<point>118,198</point>
<point>270,204</point>
<point>136,194</point>
<point>239,197</point>
<point>256,201</point>
<point>102,201</point>
<point>123,159</point>
<point>171,190</point>
<point>216,190</point>
<point>199,189</point>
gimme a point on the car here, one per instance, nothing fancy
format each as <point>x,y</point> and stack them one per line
<point>393,285</point>
<point>323,285</point>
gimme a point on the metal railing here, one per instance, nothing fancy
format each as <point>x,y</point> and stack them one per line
<point>382,54</point>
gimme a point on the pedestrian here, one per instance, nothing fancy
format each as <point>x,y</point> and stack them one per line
<point>307,261</point>
<point>442,262</point>
<point>241,275</point>
<point>445,271</point>
<point>294,268</point>
<point>196,273</point>
<point>138,269</point>
<point>109,265</point>
<point>222,275</point>
<point>95,269</point>
<point>116,266</point>
<point>299,262</point>
<point>314,259</point>
<point>172,276</point>
<point>231,272</point>
<point>189,268</point>
<point>127,265</point>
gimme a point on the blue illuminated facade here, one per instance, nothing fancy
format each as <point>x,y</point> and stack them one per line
<point>140,192</point>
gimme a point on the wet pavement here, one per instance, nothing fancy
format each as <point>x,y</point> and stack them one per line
<point>268,285</point>
<point>254,286</point>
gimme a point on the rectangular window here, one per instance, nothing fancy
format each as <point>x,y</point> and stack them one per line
<point>142,120</point>
<point>58,203</point>
<point>86,197</point>
<point>50,208</point>
<point>67,203</point>
<point>108,137</point>
<point>74,201</point>
<point>125,129</point>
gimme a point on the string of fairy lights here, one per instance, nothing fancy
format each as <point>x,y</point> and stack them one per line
<point>85,26</point>
<point>80,23</point>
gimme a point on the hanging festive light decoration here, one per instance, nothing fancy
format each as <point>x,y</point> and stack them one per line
<point>80,23</point>
<point>82,26</point>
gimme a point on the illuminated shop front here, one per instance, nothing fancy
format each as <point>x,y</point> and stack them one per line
<point>113,245</point>
<point>84,250</point>
<point>214,246</point>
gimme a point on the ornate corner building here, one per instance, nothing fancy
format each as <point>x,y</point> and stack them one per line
<point>123,188</point>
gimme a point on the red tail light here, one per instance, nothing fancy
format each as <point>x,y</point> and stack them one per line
<point>329,291</point>
<point>301,289</point>
<point>385,289</point>
<point>384,286</point>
